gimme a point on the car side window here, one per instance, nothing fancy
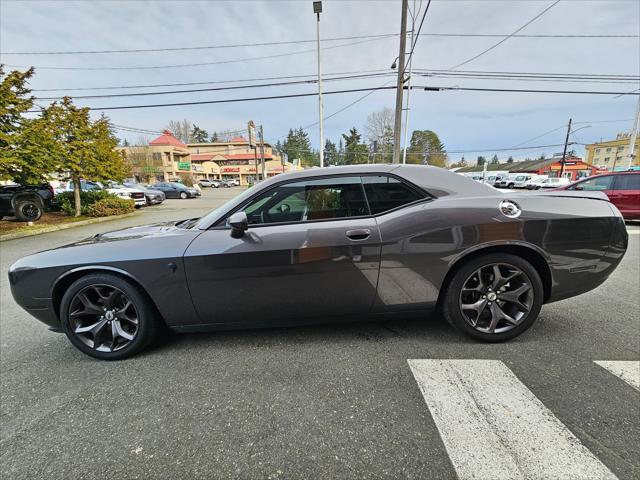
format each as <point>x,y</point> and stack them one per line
<point>628,182</point>
<point>385,193</point>
<point>309,200</point>
<point>599,182</point>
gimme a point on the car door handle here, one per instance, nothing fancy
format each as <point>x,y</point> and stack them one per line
<point>360,234</point>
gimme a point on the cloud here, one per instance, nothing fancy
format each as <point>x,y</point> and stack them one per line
<point>464,120</point>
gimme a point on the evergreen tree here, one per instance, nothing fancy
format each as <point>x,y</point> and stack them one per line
<point>510,159</point>
<point>82,149</point>
<point>20,158</point>
<point>481,161</point>
<point>355,152</point>
<point>297,145</point>
<point>426,148</point>
<point>214,137</point>
<point>198,134</point>
<point>330,153</point>
<point>494,159</point>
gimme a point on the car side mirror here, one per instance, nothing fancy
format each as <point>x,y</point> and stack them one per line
<point>239,224</point>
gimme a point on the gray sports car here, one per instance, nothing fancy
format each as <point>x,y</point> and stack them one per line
<point>331,244</point>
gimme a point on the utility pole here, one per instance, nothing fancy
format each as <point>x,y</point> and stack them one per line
<point>406,112</point>
<point>317,9</point>
<point>564,152</point>
<point>397,127</point>
<point>634,135</point>
<point>264,172</point>
<point>251,130</point>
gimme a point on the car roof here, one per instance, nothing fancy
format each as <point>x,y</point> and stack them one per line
<point>437,181</point>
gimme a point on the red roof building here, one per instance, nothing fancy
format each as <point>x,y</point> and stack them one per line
<point>167,138</point>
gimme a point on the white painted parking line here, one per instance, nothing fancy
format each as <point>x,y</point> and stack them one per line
<point>633,232</point>
<point>629,371</point>
<point>494,427</point>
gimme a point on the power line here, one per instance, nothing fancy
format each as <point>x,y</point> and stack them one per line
<point>415,41</point>
<point>507,37</point>
<point>237,87</point>
<point>290,42</point>
<point>419,71</point>
<point>508,149</point>
<point>526,90</point>
<point>230,100</point>
<point>207,47</point>
<point>201,64</point>
<point>498,72</point>
<point>300,95</point>
<point>498,35</point>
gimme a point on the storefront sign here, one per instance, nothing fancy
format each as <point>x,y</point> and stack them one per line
<point>184,166</point>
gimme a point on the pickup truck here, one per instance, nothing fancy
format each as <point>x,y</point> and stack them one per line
<point>26,202</point>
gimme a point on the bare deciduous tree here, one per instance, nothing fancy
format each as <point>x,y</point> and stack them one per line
<point>181,129</point>
<point>379,131</point>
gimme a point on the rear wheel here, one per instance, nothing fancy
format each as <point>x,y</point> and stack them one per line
<point>28,210</point>
<point>107,317</point>
<point>494,297</point>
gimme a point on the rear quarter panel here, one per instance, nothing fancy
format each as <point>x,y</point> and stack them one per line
<point>420,244</point>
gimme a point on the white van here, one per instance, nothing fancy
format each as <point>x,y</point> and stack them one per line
<point>551,183</point>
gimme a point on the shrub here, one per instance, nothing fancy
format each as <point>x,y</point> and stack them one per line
<point>187,179</point>
<point>105,207</point>
<point>68,205</point>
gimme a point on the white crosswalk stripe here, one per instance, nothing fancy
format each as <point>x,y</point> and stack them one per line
<point>494,427</point>
<point>629,371</point>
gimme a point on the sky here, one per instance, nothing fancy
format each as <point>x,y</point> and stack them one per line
<point>464,120</point>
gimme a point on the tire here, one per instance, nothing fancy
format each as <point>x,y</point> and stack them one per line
<point>510,185</point>
<point>525,310</point>
<point>96,290</point>
<point>184,195</point>
<point>28,210</point>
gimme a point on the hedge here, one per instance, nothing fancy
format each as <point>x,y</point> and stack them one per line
<point>106,207</point>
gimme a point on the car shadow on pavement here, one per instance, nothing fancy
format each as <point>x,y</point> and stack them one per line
<point>410,330</point>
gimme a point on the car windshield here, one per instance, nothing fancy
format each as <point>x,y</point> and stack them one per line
<point>215,215</point>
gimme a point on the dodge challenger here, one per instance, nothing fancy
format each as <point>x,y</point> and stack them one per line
<point>330,245</point>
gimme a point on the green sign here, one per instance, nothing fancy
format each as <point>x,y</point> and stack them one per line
<point>184,166</point>
<point>150,169</point>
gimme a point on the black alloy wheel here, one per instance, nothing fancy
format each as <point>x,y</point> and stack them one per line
<point>28,210</point>
<point>494,298</point>
<point>107,317</point>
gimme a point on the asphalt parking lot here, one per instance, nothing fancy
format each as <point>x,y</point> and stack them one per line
<point>337,401</point>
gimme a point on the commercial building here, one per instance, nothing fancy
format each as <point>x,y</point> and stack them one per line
<point>166,158</point>
<point>574,167</point>
<point>612,154</point>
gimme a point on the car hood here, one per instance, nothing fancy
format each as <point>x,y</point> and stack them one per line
<point>142,231</point>
<point>153,191</point>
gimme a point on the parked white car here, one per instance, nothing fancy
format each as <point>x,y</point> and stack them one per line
<point>128,193</point>
<point>534,180</point>
<point>549,183</point>
<point>517,180</point>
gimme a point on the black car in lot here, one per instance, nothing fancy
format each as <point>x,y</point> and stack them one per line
<point>175,190</point>
<point>26,202</point>
<point>330,245</point>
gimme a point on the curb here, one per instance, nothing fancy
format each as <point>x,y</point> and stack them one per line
<point>64,226</point>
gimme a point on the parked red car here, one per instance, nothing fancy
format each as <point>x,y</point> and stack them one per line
<point>622,188</point>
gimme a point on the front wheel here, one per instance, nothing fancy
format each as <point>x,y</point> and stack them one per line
<point>106,317</point>
<point>494,297</point>
<point>183,195</point>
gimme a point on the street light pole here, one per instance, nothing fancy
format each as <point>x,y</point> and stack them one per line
<point>634,135</point>
<point>564,152</point>
<point>397,127</point>
<point>406,113</point>
<point>317,9</point>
